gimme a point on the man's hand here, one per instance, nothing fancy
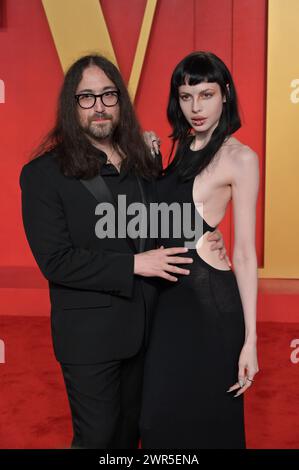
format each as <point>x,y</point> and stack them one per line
<point>216,237</point>
<point>161,262</point>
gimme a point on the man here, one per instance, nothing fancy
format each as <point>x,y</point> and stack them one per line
<point>102,290</point>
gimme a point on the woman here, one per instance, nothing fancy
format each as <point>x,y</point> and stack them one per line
<point>202,355</point>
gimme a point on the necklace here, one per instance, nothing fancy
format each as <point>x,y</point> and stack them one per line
<point>110,161</point>
<point>109,158</point>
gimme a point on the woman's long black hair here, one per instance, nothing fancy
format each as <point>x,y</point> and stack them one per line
<point>195,68</point>
<point>76,156</point>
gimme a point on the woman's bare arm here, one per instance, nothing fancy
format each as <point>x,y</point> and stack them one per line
<point>245,185</point>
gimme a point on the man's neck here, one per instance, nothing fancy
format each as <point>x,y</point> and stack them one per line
<point>105,145</point>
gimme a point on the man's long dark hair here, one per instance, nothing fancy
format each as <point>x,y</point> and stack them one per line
<point>77,157</point>
<point>196,68</point>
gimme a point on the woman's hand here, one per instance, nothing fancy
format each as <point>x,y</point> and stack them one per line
<point>160,262</point>
<point>248,367</point>
<point>217,237</point>
<point>152,141</point>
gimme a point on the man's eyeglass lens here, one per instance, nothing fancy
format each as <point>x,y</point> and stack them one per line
<point>88,100</point>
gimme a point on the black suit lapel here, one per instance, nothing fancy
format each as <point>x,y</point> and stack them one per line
<point>99,189</point>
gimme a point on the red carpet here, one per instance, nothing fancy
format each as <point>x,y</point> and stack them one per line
<point>34,408</point>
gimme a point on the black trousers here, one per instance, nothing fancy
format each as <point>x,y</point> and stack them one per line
<point>105,402</point>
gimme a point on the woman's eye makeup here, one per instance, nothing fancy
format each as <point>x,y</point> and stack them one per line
<point>203,94</point>
<point>185,97</point>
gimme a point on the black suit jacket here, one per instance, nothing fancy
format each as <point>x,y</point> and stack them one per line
<point>100,310</point>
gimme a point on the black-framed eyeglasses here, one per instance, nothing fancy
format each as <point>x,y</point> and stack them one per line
<point>88,100</point>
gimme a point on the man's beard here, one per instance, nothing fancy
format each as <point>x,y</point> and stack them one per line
<point>100,130</point>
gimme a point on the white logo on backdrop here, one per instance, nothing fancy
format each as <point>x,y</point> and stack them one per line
<point>2,352</point>
<point>2,91</point>
<point>295,354</point>
<point>294,97</point>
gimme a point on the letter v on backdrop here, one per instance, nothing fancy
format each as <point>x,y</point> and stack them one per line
<point>68,19</point>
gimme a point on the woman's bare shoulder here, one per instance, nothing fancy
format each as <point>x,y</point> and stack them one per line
<point>238,154</point>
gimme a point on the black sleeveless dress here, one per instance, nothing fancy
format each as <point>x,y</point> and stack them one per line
<point>192,358</point>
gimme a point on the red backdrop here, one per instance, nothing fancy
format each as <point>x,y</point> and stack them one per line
<point>29,66</point>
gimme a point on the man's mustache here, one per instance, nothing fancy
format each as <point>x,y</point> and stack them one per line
<point>100,116</point>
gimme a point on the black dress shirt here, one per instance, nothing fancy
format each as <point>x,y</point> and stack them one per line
<point>121,183</point>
